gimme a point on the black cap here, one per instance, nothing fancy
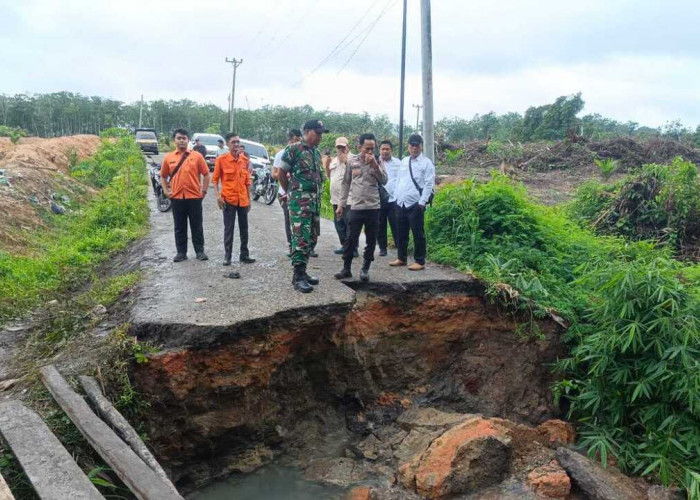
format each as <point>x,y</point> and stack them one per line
<point>415,140</point>
<point>316,125</point>
<point>220,140</point>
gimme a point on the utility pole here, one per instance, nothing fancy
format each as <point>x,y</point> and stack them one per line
<point>417,106</point>
<point>427,63</point>
<point>232,115</point>
<point>141,111</point>
<point>403,79</point>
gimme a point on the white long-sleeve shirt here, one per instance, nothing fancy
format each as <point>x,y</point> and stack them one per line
<point>392,171</point>
<point>277,163</point>
<point>423,172</point>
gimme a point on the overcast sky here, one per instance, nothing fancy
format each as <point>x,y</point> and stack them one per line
<point>632,60</point>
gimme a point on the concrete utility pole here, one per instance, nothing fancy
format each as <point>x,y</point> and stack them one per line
<point>232,115</point>
<point>141,111</point>
<point>427,62</point>
<point>403,80</point>
<point>417,106</point>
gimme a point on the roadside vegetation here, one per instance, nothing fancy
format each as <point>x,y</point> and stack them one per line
<point>67,269</point>
<point>79,240</point>
<point>632,381</point>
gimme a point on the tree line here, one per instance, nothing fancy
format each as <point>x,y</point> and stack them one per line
<point>67,113</point>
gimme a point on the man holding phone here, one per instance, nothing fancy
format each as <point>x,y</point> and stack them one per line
<point>360,190</point>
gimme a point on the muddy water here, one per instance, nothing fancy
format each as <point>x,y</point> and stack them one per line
<point>268,483</point>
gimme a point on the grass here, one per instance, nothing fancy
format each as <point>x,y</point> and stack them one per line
<point>68,264</point>
<point>76,243</point>
<point>632,380</point>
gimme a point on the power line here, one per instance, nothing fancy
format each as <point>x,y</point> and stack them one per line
<point>371,28</point>
<point>339,46</point>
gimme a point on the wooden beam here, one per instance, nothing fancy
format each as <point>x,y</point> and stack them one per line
<point>141,480</point>
<point>5,493</point>
<point>110,414</point>
<point>48,465</point>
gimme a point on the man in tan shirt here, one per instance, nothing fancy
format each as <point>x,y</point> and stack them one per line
<point>360,190</point>
<point>335,171</point>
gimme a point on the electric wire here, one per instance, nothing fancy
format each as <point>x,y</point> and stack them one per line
<point>387,8</point>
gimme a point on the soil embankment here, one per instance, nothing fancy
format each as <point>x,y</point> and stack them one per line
<point>307,386</point>
<point>34,174</point>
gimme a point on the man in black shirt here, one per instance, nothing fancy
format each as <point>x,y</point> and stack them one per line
<point>200,148</point>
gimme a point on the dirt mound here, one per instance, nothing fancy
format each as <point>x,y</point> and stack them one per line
<point>34,176</point>
<point>545,156</point>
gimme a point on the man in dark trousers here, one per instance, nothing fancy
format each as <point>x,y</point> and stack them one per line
<point>180,177</point>
<point>231,170</point>
<point>413,190</point>
<point>293,136</point>
<point>388,208</point>
<point>360,190</point>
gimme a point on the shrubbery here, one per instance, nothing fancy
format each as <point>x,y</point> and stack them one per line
<point>659,203</point>
<point>78,241</point>
<point>633,377</point>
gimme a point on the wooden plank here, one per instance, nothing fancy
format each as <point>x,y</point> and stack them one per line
<point>141,480</point>
<point>48,465</point>
<point>124,429</point>
<point>5,493</point>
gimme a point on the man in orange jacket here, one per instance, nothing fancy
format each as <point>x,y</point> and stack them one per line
<point>232,171</point>
<point>180,177</point>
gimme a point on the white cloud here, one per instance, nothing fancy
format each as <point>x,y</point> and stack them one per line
<point>501,56</point>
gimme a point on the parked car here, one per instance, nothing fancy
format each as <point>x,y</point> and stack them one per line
<point>256,153</point>
<point>147,140</point>
<point>209,141</point>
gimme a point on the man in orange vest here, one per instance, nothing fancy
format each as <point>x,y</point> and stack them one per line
<point>180,177</point>
<point>232,171</point>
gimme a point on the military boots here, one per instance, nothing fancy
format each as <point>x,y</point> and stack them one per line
<point>299,279</point>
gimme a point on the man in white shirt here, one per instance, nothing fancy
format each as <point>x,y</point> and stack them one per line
<point>392,165</point>
<point>335,171</point>
<point>293,136</point>
<point>222,149</point>
<point>413,191</point>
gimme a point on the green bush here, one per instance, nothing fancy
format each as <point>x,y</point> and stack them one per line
<point>607,167</point>
<point>660,203</point>
<point>633,377</point>
<point>79,241</point>
<point>14,133</point>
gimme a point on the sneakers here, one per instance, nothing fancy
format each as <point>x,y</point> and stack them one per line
<point>180,257</point>
<point>202,256</point>
<point>397,262</point>
<point>416,267</point>
<point>247,260</point>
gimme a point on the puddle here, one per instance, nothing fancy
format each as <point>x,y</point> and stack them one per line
<point>268,483</point>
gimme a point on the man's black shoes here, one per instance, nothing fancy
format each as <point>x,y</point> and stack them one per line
<point>382,252</point>
<point>364,275</point>
<point>311,280</point>
<point>343,274</point>
<point>313,253</point>
<point>227,261</point>
<point>202,256</point>
<point>180,257</point>
<point>338,251</point>
<point>247,260</point>
<point>355,253</point>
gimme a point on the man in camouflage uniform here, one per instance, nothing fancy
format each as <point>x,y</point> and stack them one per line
<point>302,162</point>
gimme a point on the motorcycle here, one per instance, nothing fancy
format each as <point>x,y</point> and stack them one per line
<point>162,201</point>
<point>264,185</point>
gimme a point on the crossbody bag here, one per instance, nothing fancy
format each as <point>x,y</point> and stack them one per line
<point>420,189</point>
